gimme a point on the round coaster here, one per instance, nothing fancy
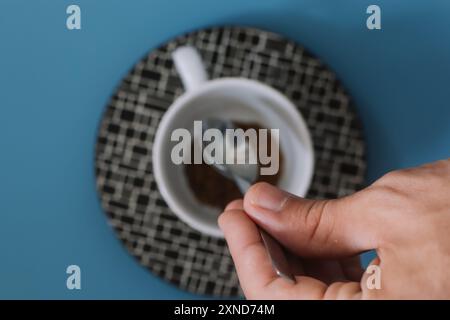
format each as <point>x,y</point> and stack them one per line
<point>129,195</point>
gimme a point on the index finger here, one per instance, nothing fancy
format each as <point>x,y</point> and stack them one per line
<point>252,262</point>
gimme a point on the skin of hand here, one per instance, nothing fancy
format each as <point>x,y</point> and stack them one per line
<point>404,216</point>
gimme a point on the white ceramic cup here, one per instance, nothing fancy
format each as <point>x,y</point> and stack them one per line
<point>237,99</point>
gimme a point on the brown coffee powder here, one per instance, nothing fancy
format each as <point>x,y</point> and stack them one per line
<point>213,189</point>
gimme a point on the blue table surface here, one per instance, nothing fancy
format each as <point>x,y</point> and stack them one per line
<point>55,83</point>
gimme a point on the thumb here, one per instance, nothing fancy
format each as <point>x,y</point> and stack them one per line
<point>313,228</point>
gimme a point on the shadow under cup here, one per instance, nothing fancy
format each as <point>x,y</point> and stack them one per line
<point>240,100</point>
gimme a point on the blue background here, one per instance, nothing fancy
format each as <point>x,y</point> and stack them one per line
<point>55,83</point>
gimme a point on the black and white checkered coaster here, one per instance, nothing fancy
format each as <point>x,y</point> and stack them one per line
<point>125,182</point>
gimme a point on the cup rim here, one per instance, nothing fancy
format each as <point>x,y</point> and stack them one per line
<point>183,100</point>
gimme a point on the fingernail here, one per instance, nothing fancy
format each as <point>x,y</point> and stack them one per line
<point>268,197</point>
<point>234,205</point>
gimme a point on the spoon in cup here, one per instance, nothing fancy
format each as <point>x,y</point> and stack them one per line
<point>244,175</point>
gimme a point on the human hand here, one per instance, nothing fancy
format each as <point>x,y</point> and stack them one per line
<point>404,216</point>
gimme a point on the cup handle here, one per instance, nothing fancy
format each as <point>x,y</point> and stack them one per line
<point>190,67</point>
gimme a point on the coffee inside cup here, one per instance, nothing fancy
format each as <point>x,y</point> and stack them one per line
<point>210,188</point>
